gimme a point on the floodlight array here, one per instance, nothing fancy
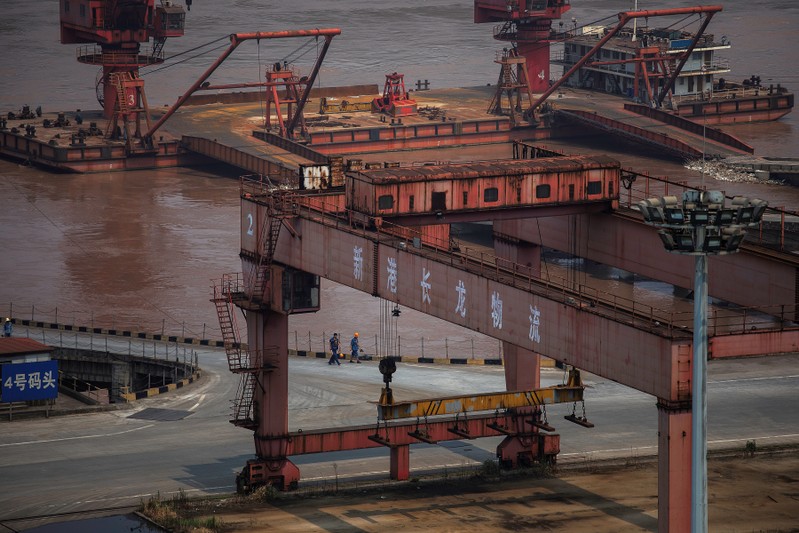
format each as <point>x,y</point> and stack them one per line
<point>700,222</point>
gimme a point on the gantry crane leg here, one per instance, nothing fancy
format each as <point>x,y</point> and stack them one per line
<point>522,368</point>
<point>400,462</point>
<point>674,467</point>
<point>267,335</point>
<point>524,444</point>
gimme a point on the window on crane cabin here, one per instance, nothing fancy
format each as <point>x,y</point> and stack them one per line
<point>438,202</point>
<point>385,202</point>
<point>543,191</point>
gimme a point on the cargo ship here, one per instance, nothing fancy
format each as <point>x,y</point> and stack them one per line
<point>636,62</point>
<point>663,68</point>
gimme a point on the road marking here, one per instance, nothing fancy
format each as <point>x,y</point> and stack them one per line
<point>76,438</point>
<point>196,405</point>
<point>753,379</point>
<point>188,396</point>
<point>716,441</point>
<point>613,450</point>
<point>145,495</point>
<point>765,437</point>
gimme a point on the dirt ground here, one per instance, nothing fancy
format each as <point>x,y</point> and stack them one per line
<point>745,494</point>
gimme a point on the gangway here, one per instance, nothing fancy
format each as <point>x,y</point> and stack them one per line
<point>677,143</point>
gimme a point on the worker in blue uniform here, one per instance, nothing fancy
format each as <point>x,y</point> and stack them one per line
<point>354,347</point>
<point>334,347</point>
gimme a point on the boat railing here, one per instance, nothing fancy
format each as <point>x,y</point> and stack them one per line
<point>728,94</point>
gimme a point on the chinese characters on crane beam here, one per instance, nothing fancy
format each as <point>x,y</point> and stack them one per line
<point>426,294</point>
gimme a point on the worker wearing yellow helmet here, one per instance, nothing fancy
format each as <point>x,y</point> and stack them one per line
<point>7,327</point>
<point>355,348</point>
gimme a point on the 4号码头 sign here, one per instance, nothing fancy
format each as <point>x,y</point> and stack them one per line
<point>29,381</point>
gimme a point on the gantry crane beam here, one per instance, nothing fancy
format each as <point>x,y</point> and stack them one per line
<point>623,241</point>
<point>395,434</point>
<point>628,342</point>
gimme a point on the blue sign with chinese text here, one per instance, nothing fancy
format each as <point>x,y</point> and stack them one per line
<point>29,381</point>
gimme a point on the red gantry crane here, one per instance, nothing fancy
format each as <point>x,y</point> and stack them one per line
<point>386,233</point>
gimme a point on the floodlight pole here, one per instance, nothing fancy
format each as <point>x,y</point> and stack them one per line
<point>701,226</point>
<point>699,388</point>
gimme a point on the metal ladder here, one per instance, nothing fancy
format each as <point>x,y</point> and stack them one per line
<point>267,243</point>
<point>242,415</point>
<point>238,360</point>
<point>118,79</point>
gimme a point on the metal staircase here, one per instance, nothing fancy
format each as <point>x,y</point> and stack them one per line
<point>278,210</point>
<point>158,47</point>
<point>229,292</point>
<point>117,79</point>
<point>238,359</point>
<point>243,415</point>
<point>267,243</point>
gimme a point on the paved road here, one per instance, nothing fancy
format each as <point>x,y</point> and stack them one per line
<point>80,462</point>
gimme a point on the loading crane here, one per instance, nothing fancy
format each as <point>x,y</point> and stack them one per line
<point>298,97</point>
<point>527,26</point>
<point>270,288</point>
<point>115,31</point>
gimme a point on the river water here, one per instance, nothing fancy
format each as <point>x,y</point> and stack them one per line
<point>139,249</point>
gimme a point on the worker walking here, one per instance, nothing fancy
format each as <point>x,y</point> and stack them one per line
<point>334,347</point>
<point>7,327</point>
<point>354,347</point>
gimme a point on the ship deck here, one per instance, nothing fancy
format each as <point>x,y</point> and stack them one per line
<point>451,125</point>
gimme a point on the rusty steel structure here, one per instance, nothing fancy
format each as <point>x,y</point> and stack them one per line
<point>527,26</point>
<point>237,39</point>
<point>572,391</point>
<point>282,79</point>
<point>290,238</point>
<point>117,29</point>
<point>512,84</point>
<point>271,286</point>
